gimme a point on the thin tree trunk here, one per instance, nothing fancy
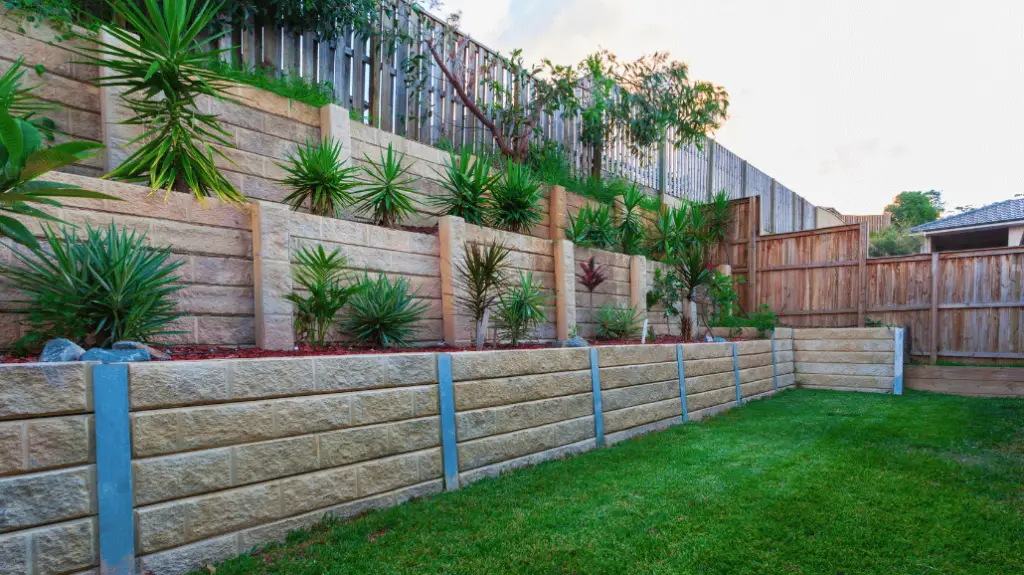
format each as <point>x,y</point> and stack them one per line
<point>481,329</point>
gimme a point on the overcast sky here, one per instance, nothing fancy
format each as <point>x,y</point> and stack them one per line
<point>846,103</point>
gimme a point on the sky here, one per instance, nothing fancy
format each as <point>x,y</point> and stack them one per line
<point>845,103</point>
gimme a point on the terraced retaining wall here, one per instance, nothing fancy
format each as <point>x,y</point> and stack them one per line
<point>849,359</point>
<point>227,455</point>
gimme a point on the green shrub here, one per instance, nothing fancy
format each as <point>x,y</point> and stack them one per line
<point>387,196</point>
<point>894,241</point>
<point>593,227</point>
<point>382,313</point>
<point>723,297</point>
<point>482,275</point>
<point>515,202</point>
<point>521,308</point>
<point>618,322</point>
<point>467,182</point>
<point>631,229</point>
<point>107,287</point>
<point>287,86</point>
<point>764,320</point>
<point>322,277</point>
<point>319,179</point>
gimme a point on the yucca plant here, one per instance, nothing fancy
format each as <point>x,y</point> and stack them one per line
<point>387,196</point>
<point>578,229</point>
<point>482,274</point>
<point>382,313</point>
<point>521,308</point>
<point>691,269</point>
<point>158,60</point>
<point>718,218</point>
<point>663,234</point>
<point>618,322</point>
<point>468,182</point>
<point>322,276</point>
<point>593,275</point>
<point>515,202</point>
<point>22,163</point>
<point>319,179</point>
<point>631,229</point>
<point>21,102</point>
<point>108,286</point>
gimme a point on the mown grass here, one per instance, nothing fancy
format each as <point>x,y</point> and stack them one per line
<point>807,482</point>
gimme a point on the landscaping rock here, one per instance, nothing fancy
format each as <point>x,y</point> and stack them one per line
<point>115,355</point>
<point>720,340</point>
<point>576,341</point>
<point>153,353</point>
<point>61,350</point>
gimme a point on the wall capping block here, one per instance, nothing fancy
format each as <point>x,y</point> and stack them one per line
<point>736,372</point>
<point>446,396</point>
<point>114,469</point>
<point>897,382</point>
<point>680,363</point>
<point>595,380</point>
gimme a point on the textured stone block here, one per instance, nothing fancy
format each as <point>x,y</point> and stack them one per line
<point>846,357</point>
<point>425,401</point>
<point>59,442</point>
<point>627,375</point>
<point>16,553</point>
<point>753,347</point>
<point>388,474</point>
<point>754,360</point>
<point>230,424</point>
<point>190,557</point>
<point>846,369</point>
<point>757,387</point>
<point>302,415</point>
<point>271,459</point>
<point>510,418</point>
<point>12,447</point>
<point>707,366</point>
<point>703,383</point>
<point>714,398</point>
<point>697,351</point>
<point>844,333</point>
<point>356,372</point>
<point>494,364</point>
<point>379,406</point>
<point>319,490</point>
<point>628,355</point>
<point>159,527</point>
<point>48,497</point>
<point>154,433</point>
<point>641,415</point>
<point>849,345</point>
<point>176,476</point>
<point>497,448</point>
<point>624,397</point>
<point>231,510</point>
<point>158,384</point>
<point>66,547</point>
<point>258,378</point>
<point>352,445</point>
<point>414,435</point>
<point>43,389</point>
<point>493,392</point>
<point>755,373</point>
<point>223,330</point>
<point>844,381</point>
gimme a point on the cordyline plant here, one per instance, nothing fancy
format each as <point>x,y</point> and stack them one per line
<point>164,72</point>
<point>593,275</point>
<point>482,274</point>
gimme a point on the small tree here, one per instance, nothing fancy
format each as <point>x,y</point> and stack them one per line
<point>911,209</point>
<point>482,274</point>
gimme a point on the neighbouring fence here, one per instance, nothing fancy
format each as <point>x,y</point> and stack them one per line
<point>218,457</point>
<point>972,381</point>
<point>875,222</point>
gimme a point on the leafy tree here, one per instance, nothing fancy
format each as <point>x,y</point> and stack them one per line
<point>597,109</point>
<point>894,240</point>
<point>911,209</point>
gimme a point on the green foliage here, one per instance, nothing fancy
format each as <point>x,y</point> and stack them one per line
<point>618,322</point>
<point>718,219</point>
<point>597,111</point>
<point>387,197</point>
<point>328,20</point>
<point>723,298</point>
<point>911,209</point>
<point>482,274</point>
<point>164,71</point>
<point>321,275</point>
<point>593,227</point>
<point>468,182</point>
<point>688,271</point>
<point>515,202</point>
<point>551,164</point>
<point>521,308</point>
<point>764,320</point>
<point>894,240</point>
<point>18,100</point>
<point>593,275</point>
<point>105,287</point>
<point>319,179</point>
<point>22,162</point>
<point>677,230</point>
<point>287,86</point>
<point>631,230</point>
<point>382,313</point>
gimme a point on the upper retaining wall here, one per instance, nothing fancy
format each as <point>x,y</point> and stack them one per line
<point>614,291</point>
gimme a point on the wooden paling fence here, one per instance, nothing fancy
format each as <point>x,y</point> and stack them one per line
<point>956,305</point>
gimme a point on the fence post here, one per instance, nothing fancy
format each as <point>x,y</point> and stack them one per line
<point>897,380</point>
<point>446,398</point>
<point>752,258</point>
<point>336,124</point>
<point>681,365</point>
<point>565,287</point>
<point>452,233</point>
<point>595,382</point>
<point>663,166</point>
<point>771,207</point>
<point>272,275</point>
<point>711,168</point>
<point>638,284</point>
<point>934,316</point>
<point>114,469</point>
<point>556,213</point>
<point>743,181</point>
<point>862,275</point>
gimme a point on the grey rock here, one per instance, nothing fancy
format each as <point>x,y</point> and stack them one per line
<point>153,353</point>
<point>115,355</point>
<point>720,340</point>
<point>61,350</point>
<point>576,341</point>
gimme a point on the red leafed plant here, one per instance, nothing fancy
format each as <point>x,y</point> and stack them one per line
<point>593,275</point>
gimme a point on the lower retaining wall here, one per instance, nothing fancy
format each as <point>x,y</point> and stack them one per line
<point>849,359</point>
<point>971,381</point>
<point>228,455</point>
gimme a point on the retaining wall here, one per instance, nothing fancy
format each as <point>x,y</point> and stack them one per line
<point>849,359</point>
<point>614,291</point>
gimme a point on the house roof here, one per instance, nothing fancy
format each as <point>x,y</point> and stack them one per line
<point>1005,211</point>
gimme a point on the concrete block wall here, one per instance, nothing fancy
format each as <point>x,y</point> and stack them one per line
<point>48,498</point>
<point>614,291</point>
<point>214,242</point>
<point>514,408</point>
<point>846,359</point>
<point>228,455</point>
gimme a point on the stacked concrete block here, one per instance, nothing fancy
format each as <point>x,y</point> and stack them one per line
<point>228,455</point>
<point>614,291</point>
<point>639,389</point>
<point>48,494</point>
<point>515,408</point>
<point>846,359</point>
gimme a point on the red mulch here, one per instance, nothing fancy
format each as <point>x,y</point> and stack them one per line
<point>429,230</point>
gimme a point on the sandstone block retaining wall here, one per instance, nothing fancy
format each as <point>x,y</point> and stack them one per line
<point>614,291</point>
<point>848,359</point>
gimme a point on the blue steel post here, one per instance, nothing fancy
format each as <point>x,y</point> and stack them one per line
<point>682,380</point>
<point>595,380</point>
<point>446,395</point>
<point>775,364</point>
<point>114,469</point>
<point>897,381</point>
<point>736,372</point>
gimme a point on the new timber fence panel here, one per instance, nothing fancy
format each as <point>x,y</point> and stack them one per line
<point>973,381</point>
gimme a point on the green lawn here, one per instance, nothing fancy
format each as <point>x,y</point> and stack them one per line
<point>807,482</point>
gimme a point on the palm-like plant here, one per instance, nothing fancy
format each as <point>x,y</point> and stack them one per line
<point>387,196</point>
<point>467,182</point>
<point>691,269</point>
<point>319,179</point>
<point>482,274</point>
<point>618,322</point>
<point>164,71</point>
<point>631,225</point>
<point>515,200</point>
<point>383,313</point>
<point>323,277</point>
<point>663,235</point>
<point>22,162</point>
<point>521,308</point>
<point>105,287</point>
<point>20,101</point>
<point>718,218</point>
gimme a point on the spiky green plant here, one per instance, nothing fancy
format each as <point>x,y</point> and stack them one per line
<point>157,58</point>
<point>515,202</point>
<point>386,198</point>
<point>18,100</point>
<point>521,308</point>
<point>383,313</point>
<point>593,227</point>
<point>110,285</point>
<point>322,276</point>
<point>618,322</point>
<point>482,274</point>
<point>663,235</point>
<point>319,179</point>
<point>22,162</point>
<point>718,219</point>
<point>631,229</point>
<point>467,181</point>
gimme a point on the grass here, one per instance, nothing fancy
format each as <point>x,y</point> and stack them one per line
<point>807,482</point>
<point>942,363</point>
<point>291,87</point>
